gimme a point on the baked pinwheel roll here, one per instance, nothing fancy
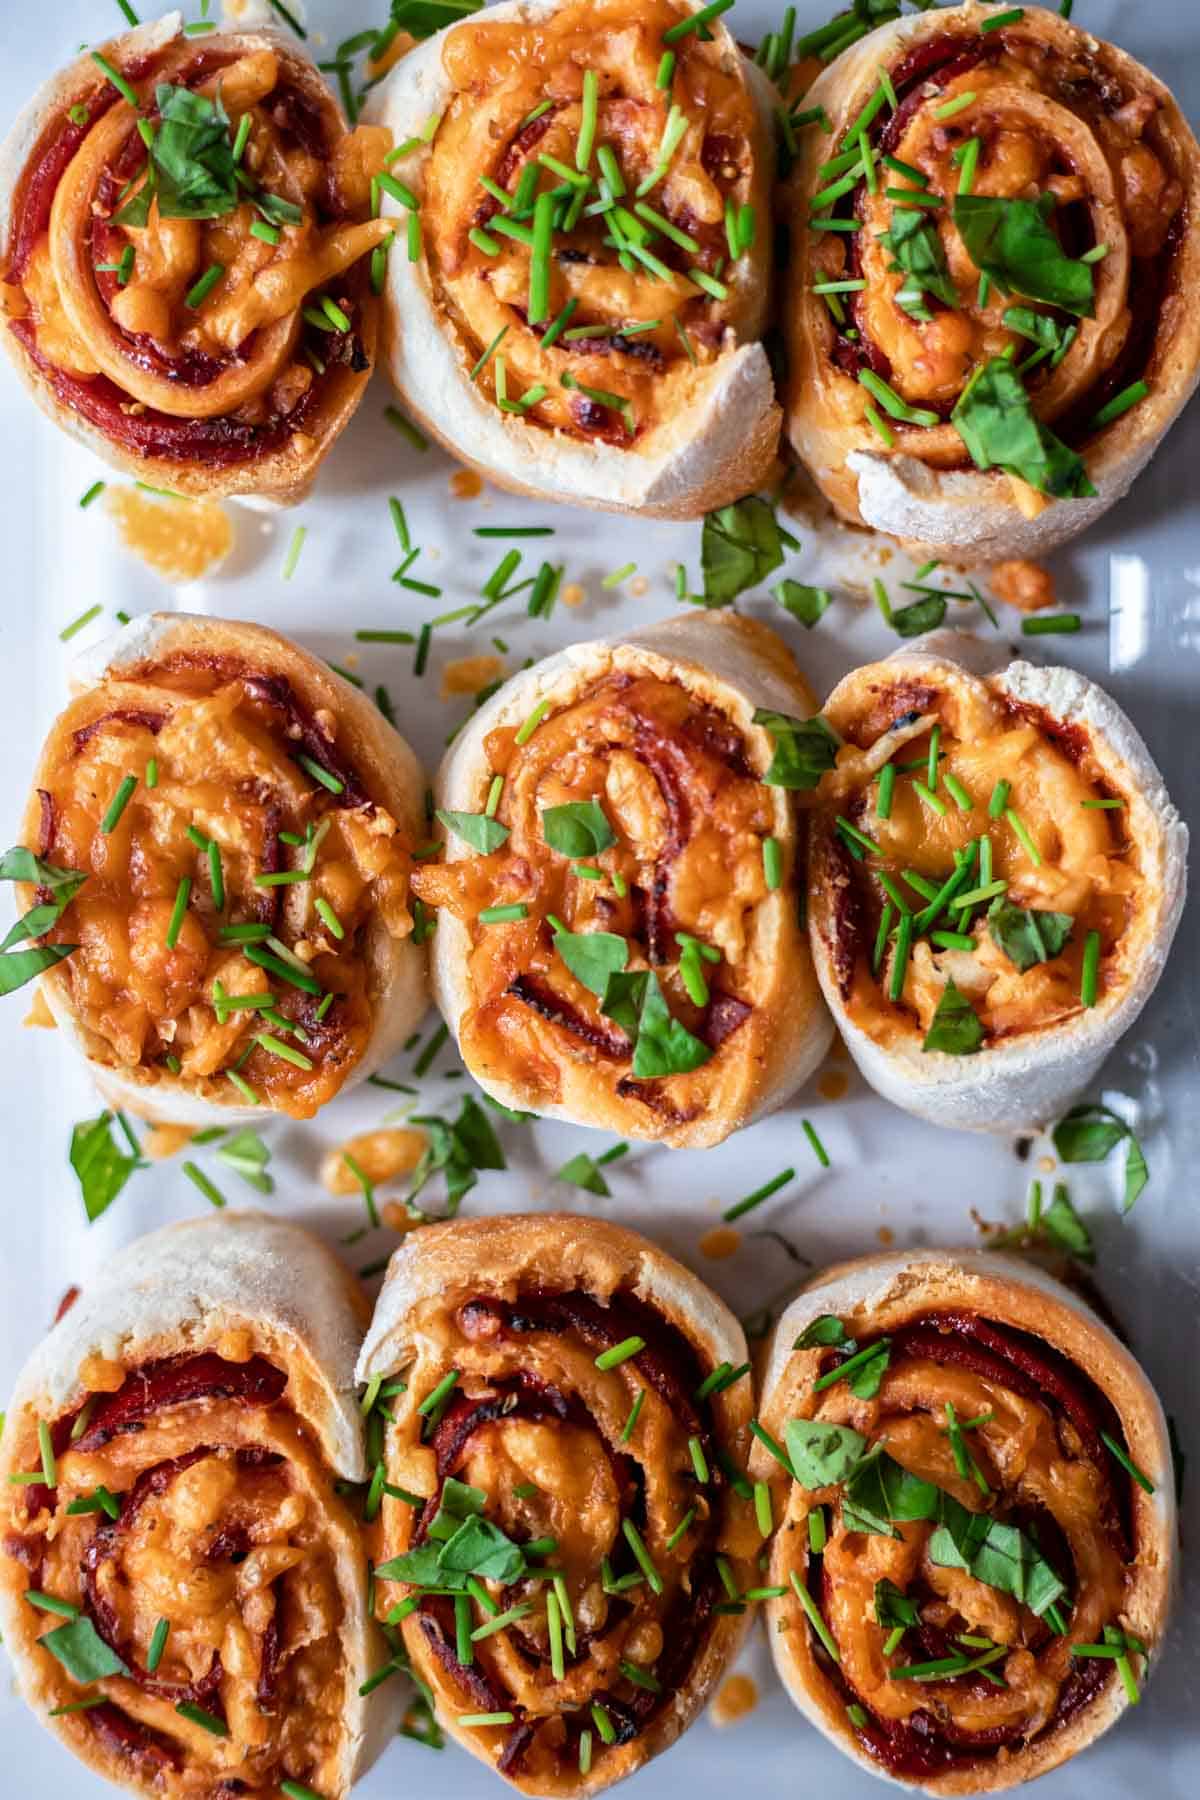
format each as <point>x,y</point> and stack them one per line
<point>185,248</point>
<point>619,940</point>
<point>988,314</point>
<point>977,1523</point>
<point>582,203</point>
<point>241,821</point>
<point>566,1554</point>
<point>995,877</point>
<point>183,1592</point>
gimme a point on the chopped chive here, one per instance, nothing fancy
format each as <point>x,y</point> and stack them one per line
<point>952,940</point>
<point>933,801</point>
<point>957,793</point>
<point>768,1443</point>
<point>999,799</point>
<point>727,1578</point>
<point>501,1622</point>
<point>893,403</point>
<point>211,1192</point>
<point>1127,1463</point>
<point>619,575</point>
<point>539,263</point>
<point>900,958</point>
<point>158,1643</point>
<point>613,1357</point>
<point>92,493</point>
<point>819,1150</point>
<point>187,1709</point>
<point>118,80</point>
<point>1047,624</point>
<point>603,1723</point>
<point>405,427</point>
<point>696,21</point>
<point>85,618</point>
<point>832,1376</point>
<point>762,1509</point>
<point>758,1196</point>
<point>772,859</point>
<point>440,1393</point>
<point>699,1460</point>
<point>813,1615</point>
<point>681,1529</point>
<point>856,836</point>
<point>318,773</point>
<point>199,292</point>
<point>491,1718</point>
<point>295,546</point>
<point>957,105</point>
<point>817,1533</point>
<point>117,805</point>
<point>216,874</point>
<point>633,1538</point>
<point>880,429</point>
<point>182,895</point>
<point>881,937</point>
<point>284,1052</point>
<point>893,893</point>
<point>1005,18</point>
<point>627,1430</point>
<point>977,895</point>
<point>503,915</point>
<point>1021,833</point>
<point>532,722</point>
<point>967,158</point>
<point>1089,984</point>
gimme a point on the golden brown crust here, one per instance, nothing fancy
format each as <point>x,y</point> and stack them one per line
<point>448,1292</point>
<point>884,1296</point>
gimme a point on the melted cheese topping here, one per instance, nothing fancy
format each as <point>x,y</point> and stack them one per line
<point>235,1552</point>
<point>238,347</point>
<point>181,539</point>
<point>689,817</point>
<point>226,768</point>
<point>572,1481</point>
<point>1032,1466</point>
<point>502,74</point>
<point>1085,865</point>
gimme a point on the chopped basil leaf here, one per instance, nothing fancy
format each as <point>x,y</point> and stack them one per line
<point>893,1607</point>
<point>457,1149</point>
<point>1088,1132</point>
<point>826,1330</point>
<point>62,885</point>
<point>579,828</point>
<point>1027,937</point>
<point>458,1501</point>
<point>1000,1555</point>
<point>661,1045</point>
<point>484,834</point>
<point>864,1381</point>
<point>102,1166</point>
<point>191,170</point>
<point>822,1454</point>
<point>1042,329</point>
<point>22,966</point>
<point>583,1172</point>
<point>916,245</point>
<point>476,1548</point>
<point>922,616</point>
<point>422,18</point>
<point>1065,1229</point>
<point>1011,241</point>
<point>805,749</point>
<point>82,1652</point>
<point>592,956</point>
<point>879,1491</point>
<point>956,1029</point>
<point>739,547</point>
<point>808,604</point>
<point>998,425</point>
<point>248,1156</point>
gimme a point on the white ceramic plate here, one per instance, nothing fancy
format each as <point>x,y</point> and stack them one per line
<point>1136,581</point>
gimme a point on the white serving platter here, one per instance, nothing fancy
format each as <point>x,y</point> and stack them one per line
<point>1135,579</point>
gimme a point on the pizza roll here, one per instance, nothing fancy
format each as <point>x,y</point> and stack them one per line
<point>996,874</point>
<point>988,322</point>
<point>977,1519</point>
<point>242,820</point>
<point>578,288</point>
<point>183,1590</point>
<point>619,939</point>
<point>185,258</point>
<point>561,1539</point>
